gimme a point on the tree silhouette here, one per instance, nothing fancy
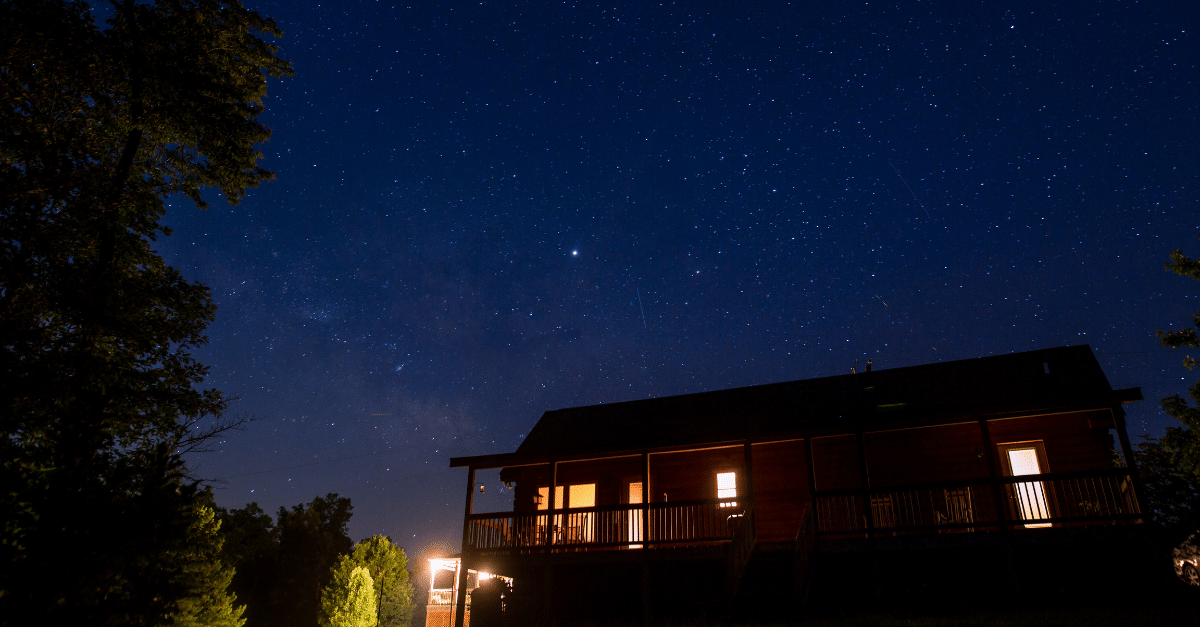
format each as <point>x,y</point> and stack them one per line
<point>98,385</point>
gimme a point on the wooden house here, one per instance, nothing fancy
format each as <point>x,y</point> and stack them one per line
<point>679,497</point>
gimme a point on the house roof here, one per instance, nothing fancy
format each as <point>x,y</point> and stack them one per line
<point>1042,381</point>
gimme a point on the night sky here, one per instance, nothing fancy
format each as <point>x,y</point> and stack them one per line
<point>484,211</point>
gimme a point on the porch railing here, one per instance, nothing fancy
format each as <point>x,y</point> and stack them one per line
<point>612,526</point>
<point>441,597</point>
<point>1045,500</point>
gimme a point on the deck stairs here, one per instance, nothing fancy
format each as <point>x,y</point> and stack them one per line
<point>737,556</point>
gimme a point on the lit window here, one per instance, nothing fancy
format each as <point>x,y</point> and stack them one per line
<point>727,487</point>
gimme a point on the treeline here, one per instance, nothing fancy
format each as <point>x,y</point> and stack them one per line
<point>297,569</point>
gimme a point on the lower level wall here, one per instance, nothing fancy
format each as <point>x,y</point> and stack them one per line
<point>443,616</point>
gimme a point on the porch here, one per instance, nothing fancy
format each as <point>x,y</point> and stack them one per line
<point>1067,499</point>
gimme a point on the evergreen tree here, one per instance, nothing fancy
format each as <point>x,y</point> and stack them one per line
<point>209,603</point>
<point>98,386</point>
<point>350,604</point>
<point>1182,444</point>
<point>388,567</point>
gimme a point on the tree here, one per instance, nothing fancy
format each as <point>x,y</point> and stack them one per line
<point>388,567</point>
<point>1170,466</point>
<point>1182,444</point>
<point>98,399</point>
<point>312,539</point>
<point>209,603</point>
<point>283,566</point>
<point>251,546</point>
<point>350,603</point>
<point>1169,498</point>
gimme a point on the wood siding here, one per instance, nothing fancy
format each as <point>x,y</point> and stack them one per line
<point>908,456</point>
<point>1073,442</point>
<point>780,489</point>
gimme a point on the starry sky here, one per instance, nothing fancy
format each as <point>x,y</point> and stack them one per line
<point>487,210</point>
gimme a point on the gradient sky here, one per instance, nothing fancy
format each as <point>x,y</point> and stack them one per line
<point>484,211</point>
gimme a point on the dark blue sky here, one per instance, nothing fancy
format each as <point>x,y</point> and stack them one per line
<point>488,210</point>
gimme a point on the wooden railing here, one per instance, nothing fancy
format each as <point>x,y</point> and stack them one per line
<point>803,548</point>
<point>612,526</point>
<point>1053,499</point>
<point>441,597</point>
<point>738,555</point>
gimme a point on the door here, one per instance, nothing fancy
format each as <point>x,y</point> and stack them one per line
<point>581,525</point>
<point>1021,459</point>
<point>635,515</point>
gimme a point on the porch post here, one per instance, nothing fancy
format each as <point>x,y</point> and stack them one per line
<point>645,533</point>
<point>812,481</point>
<point>747,450</point>
<point>548,577</point>
<point>989,453</point>
<point>550,504</point>
<point>866,482</point>
<point>1127,450</point>
<point>645,499</point>
<point>460,599</point>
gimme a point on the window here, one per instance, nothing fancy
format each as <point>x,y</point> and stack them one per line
<point>572,527</point>
<point>727,487</point>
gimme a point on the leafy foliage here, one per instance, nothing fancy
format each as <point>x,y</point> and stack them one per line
<point>283,566</point>
<point>252,547</point>
<point>1182,444</point>
<point>99,123</point>
<point>350,603</point>
<point>388,567</point>
<point>1171,499</point>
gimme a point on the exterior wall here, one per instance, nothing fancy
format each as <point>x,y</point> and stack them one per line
<point>780,489</point>
<point>943,453</point>
<point>693,475</point>
<point>836,462</point>
<point>1076,441</point>
<point>443,616</point>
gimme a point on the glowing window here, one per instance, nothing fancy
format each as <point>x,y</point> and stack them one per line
<point>1031,495</point>
<point>727,487</point>
<point>544,498</point>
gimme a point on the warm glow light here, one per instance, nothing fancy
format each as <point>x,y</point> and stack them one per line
<point>727,487</point>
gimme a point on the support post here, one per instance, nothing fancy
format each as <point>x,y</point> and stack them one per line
<point>1127,451</point>
<point>645,500</point>
<point>865,475</point>
<point>550,504</point>
<point>645,531</point>
<point>748,453</point>
<point>866,482</point>
<point>460,599</point>
<point>989,454</point>
<point>812,483</point>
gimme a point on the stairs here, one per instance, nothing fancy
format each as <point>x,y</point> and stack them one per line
<point>737,556</point>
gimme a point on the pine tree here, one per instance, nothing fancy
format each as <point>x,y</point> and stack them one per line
<point>1182,444</point>
<point>209,603</point>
